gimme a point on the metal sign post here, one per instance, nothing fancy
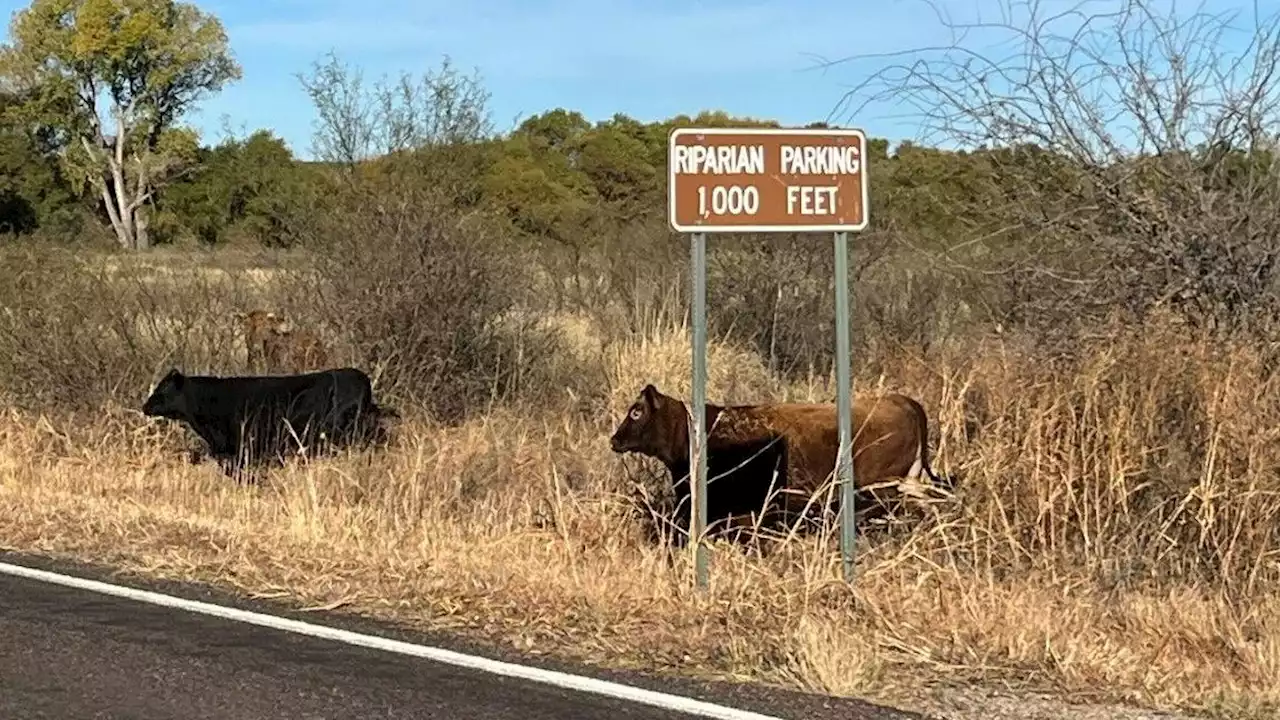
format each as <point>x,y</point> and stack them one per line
<point>697,405</point>
<point>767,180</point>
<point>844,406</point>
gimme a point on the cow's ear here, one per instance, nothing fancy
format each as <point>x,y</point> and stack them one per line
<point>174,376</point>
<point>649,393</point>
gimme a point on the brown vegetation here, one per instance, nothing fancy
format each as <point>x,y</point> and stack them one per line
<point>1115,534</point>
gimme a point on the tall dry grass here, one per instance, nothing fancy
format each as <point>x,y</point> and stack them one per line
<point>1115,533</point>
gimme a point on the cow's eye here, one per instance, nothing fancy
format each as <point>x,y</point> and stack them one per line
<point>635,413</point>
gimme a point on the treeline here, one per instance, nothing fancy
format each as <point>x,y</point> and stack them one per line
<point>1024,235</point>
<point>426,225</point>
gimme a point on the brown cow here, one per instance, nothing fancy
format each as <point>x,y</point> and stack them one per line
<point>272,343</point>
<point>770,459</point>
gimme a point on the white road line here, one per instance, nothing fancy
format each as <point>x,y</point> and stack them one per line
<point>550,677</point>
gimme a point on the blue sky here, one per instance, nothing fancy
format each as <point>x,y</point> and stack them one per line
<point>649,59</point>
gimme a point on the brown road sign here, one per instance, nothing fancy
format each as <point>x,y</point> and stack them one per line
<point>767,180</point>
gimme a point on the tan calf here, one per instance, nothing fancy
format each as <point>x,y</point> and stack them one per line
<point>299,350</point>
<point>273,344</point>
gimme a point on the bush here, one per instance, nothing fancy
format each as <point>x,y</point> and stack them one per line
<point>79,329</point>
<point>427,298</point>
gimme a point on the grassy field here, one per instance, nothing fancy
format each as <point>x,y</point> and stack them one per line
<point>1115,537</point>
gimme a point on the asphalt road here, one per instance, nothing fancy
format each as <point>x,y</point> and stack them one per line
<point>67,653</point>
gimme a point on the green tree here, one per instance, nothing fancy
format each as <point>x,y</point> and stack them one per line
<point>251,186</point>
<point>33,191</point>
<point>554,129</point>
<point>150,60</point>
<point>617,158</point>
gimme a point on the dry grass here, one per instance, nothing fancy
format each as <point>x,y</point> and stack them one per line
<point>1115,538</point>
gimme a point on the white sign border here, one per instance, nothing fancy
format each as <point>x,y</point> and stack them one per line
<point>842,132</point>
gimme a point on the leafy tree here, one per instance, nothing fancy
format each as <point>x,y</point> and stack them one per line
<point>554,129</point>
<point>251,185</point>
<point>33,190</point>
<point>538,190</point>
<point>617,158</point>
<point>150,60</point>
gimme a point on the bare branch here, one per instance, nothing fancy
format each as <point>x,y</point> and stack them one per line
<point>1159,137</point>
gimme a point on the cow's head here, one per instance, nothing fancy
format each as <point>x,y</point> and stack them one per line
<point>287,345</point>
<point>651,427</point>
<point>257,323</point>
<point>168,399</point>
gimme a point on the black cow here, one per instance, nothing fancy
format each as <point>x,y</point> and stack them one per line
<point>249,419</point>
